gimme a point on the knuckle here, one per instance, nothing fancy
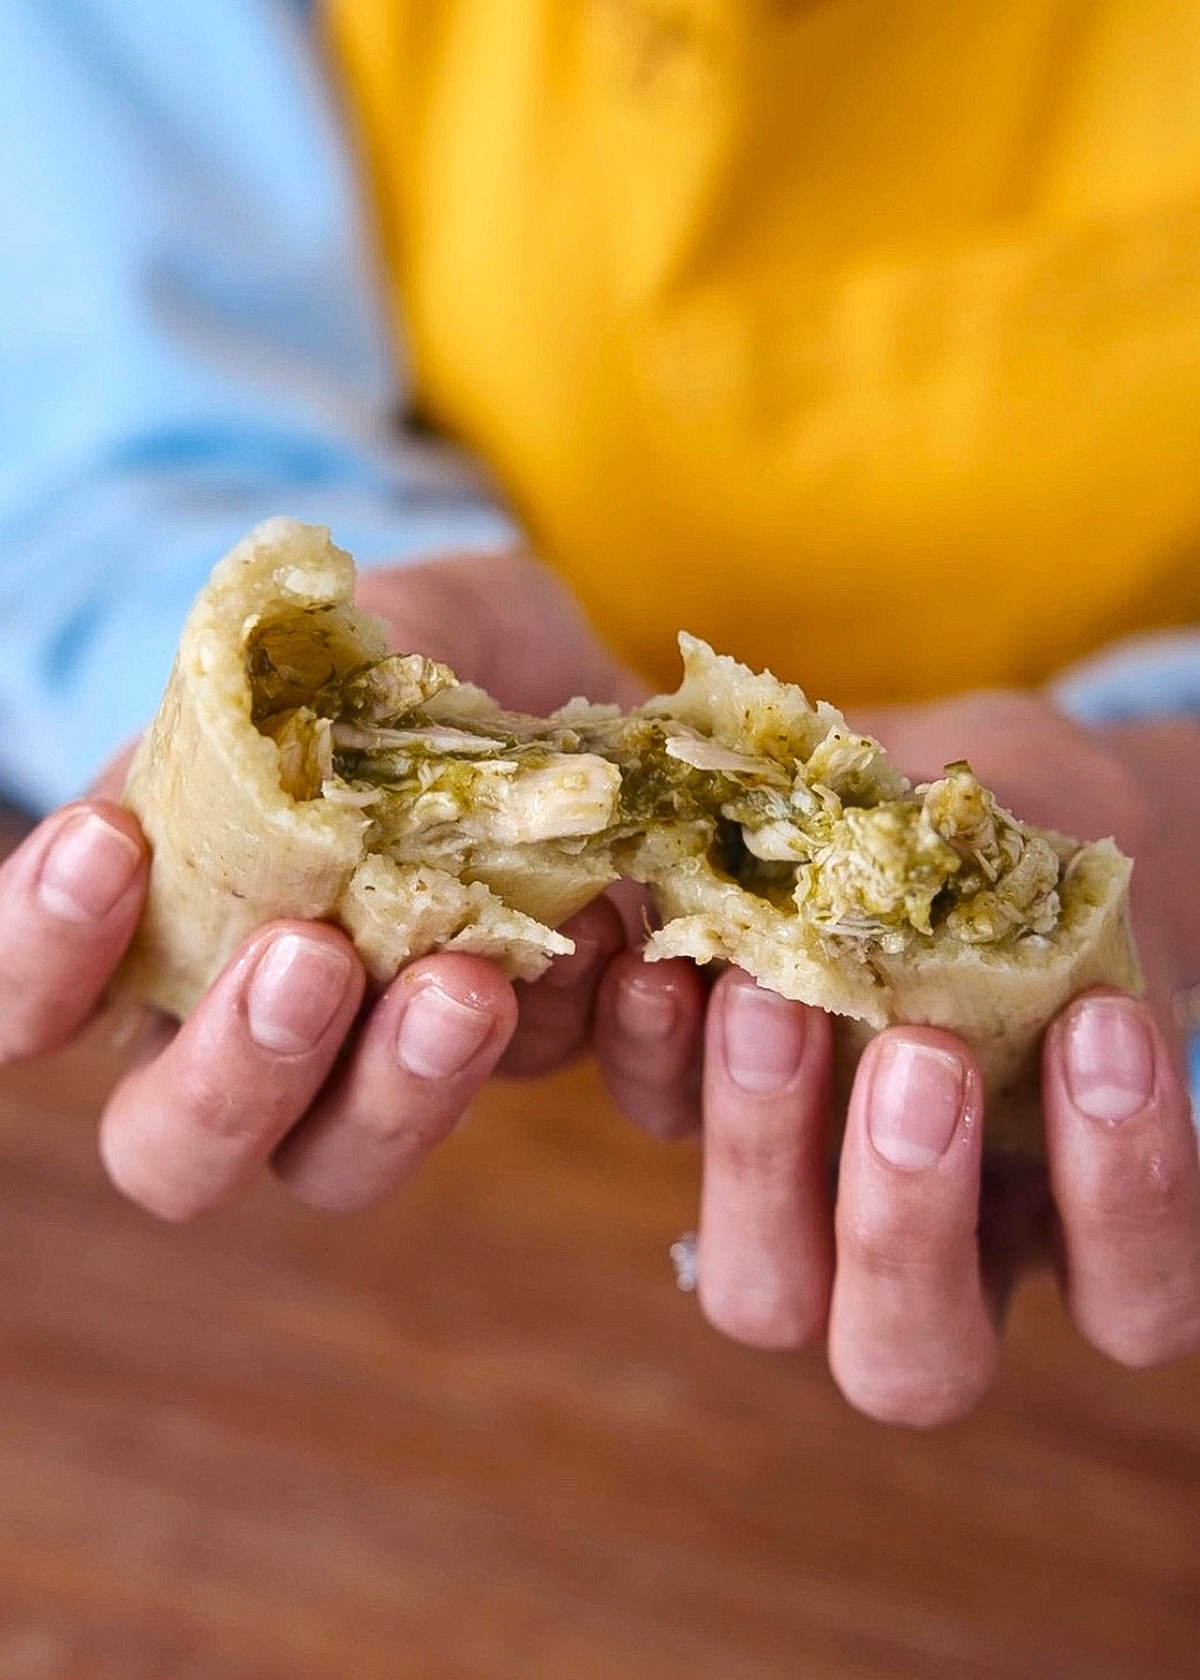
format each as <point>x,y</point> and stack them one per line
<point>402,1133</point>
<point>661,1073</point>
<point>755,1154</point>
<point>221,1111</point>
<point>1139,1198</point>
<point>214,1111</point>
<point>884,1242</point>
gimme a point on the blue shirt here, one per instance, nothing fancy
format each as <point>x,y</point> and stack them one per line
<point>190,341</point>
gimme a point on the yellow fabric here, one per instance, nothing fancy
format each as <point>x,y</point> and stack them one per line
<point>859,336</point>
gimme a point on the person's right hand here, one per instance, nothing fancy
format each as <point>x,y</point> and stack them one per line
<point>281,1062</point>
<point>905,1265</point>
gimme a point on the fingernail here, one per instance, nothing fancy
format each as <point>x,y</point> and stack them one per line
<point>764,1038</point>
<point>88,870</point>
<point>439,1034</point>
<point>645,1011</point>
<point>1109,1060</point>
<point>294,993</point>
<point>915,1103</point>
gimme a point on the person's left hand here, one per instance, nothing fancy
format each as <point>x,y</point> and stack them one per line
<point>285,1060</point>
<point>907,1274</point>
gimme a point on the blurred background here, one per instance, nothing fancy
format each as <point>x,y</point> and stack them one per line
<point>478,1434</point>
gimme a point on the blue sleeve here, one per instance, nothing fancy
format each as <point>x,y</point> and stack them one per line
<point>189,342</point>
<point>1146,676</point>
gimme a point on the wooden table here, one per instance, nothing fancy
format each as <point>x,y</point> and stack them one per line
<point>479,1434</point>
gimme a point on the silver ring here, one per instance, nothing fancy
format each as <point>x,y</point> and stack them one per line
<point>683,1258</point>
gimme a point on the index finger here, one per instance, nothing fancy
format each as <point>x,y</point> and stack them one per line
<point>70,897</point>
<point>184,1131</point>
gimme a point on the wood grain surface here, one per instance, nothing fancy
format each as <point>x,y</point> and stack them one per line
<point>479,1434</point>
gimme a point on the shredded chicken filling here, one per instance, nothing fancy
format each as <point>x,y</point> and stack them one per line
<point>838,836</point>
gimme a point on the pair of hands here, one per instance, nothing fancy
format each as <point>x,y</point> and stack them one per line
<point>905,1271</point>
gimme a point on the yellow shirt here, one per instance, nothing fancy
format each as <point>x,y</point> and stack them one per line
<point>861,337</point>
